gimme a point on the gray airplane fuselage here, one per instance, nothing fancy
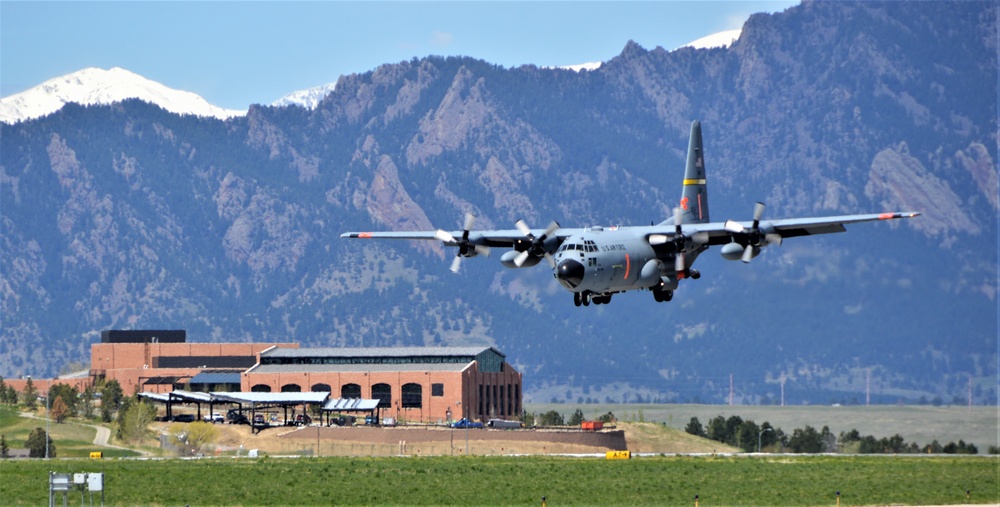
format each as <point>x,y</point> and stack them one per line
<point>612,259</point>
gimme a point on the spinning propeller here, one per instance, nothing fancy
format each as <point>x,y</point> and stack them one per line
<point>679,239</point>
<point>465,247</point>
<point>537,246</point>
<point>755,237</point>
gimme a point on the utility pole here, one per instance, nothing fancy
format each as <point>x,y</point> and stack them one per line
<point>730,389</point>
<point>868,387</point>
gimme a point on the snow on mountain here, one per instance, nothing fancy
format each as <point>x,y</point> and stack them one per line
<point>308,99</point>
<point>716,40</point>
<point>584,66</point>
<point>94,86</point>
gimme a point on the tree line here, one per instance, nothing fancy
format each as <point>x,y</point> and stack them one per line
<point>750,437</point>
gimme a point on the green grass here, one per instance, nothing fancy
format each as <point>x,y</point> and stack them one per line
<point>770,480</point>
<point>920,424</point>
<point>72,439</point>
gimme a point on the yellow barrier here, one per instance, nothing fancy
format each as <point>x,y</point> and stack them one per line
<point>96,455</point>
<point>619,455</point>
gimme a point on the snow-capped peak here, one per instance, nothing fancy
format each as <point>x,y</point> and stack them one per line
<point>308,99</point>
<point>93,86</point>
<point>716,40</point>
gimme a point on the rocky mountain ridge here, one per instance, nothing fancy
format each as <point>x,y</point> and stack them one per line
<point>128,216</point>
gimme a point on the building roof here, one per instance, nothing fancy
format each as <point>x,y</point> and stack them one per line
<point>349,404</point>
<point>216,378</point>
<point>359,368</point>
<point>380,352</point>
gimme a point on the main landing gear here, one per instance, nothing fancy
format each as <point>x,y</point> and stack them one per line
<point>585,298</point>
<point>661,295</point>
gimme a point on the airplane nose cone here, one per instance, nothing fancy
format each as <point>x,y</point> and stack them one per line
<point>570,273</point>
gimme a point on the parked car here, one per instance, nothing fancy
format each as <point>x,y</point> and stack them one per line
<point>237,417</point>
<point>371,420</point>
<point>214,418</point>
<point>465,423</point>
<point>258,420</point>
<point>184,418</point>
<point>303,420</point>
<point>344,420</point>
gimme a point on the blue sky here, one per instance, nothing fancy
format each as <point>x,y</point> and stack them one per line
<point>238,53</point>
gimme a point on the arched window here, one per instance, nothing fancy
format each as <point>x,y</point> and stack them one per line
<point>320,388</point>
<point>350,391</point>
<point>382,393</point>
<point>291,388</point>
<point>261,388</point>
<point>413,396</point>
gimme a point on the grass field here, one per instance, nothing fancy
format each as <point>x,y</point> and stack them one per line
<point>745,480</point>
<point>72,439</point>
<point>920,424</point>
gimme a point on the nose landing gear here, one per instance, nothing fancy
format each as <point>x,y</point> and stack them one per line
<point>585,298</point>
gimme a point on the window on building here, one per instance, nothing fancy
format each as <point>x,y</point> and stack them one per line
<point>291,388</point>
<point>320,388</point>
<point>413,396</point>
<point>382,393</point>
<point>350,391</point>
<point>261,388</point>
<point>437,389</point>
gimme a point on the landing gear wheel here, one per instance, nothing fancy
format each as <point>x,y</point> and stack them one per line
<point>662,296</point>
<point>577,300</point>
<point>585,299</point>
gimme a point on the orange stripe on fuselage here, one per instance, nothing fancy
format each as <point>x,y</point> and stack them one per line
<point>628,265</point>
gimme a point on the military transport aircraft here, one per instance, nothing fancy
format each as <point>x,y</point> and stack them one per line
<point>595,263</point>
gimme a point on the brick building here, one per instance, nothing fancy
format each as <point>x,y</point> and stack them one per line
<point>422,384</point>
<point>425,384</point>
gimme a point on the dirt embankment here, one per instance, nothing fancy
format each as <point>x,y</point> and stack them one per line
<point>432,440</point>
<point>416,440</point>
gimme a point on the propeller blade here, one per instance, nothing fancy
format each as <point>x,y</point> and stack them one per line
<point>758,211</point>
<point>747,254</point>
<point>521,258</point>
<point>734,226</point>
<point>523,227</point>
<point>470,220</point>
<point>658,239</point>
<point>678,219</point>
<point>552,261</point>
<point>553,227</point>
<point>445,236</point>
<point>482,250</point>
<point>773,238</point>
<point>679,264</point>
<point>455,264</point>
<point>700,238</point>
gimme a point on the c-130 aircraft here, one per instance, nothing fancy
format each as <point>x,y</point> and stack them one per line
<point>595,263</point>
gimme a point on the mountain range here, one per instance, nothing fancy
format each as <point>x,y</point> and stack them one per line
<point>93,86</point>
<point>129,215</point>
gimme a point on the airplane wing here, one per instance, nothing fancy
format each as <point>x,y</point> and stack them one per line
<point>498,238</point>
<point>721,233</point>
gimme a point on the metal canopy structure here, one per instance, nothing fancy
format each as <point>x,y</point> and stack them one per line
<point>350,405</point>
<point>257,402</point>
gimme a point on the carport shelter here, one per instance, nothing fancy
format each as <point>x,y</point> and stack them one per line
<point>256,401</point>
<point>341,405</point>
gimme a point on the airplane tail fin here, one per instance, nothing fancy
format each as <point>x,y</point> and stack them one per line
<point>694,199</point>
